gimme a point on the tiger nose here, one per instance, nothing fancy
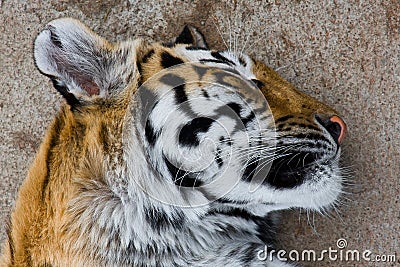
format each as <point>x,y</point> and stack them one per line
<point>334,125</point>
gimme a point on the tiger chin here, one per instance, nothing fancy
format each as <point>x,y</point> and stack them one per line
<point>167,154</point>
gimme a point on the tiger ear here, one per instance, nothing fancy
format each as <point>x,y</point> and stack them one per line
<point>191,35</point>
<point>81,64</point>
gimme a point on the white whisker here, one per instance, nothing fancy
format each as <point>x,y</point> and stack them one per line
<point>219,32</point>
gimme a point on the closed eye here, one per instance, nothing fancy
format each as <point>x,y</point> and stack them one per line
<point>258,83</point>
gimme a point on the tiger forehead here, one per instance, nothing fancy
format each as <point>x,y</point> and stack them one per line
<point>195,75</point>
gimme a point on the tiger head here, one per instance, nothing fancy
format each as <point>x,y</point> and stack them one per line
<point>198,127</point>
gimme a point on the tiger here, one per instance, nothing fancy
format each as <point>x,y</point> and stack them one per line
<point>168,154</point>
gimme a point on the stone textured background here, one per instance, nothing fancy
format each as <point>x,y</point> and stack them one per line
<point>345,53</point>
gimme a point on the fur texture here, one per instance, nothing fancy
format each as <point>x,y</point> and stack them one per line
<point>167,155</point>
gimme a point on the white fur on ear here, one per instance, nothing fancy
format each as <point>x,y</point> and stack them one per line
<point>80,63</point>
<point>43,48</point>
<point>68,52</point>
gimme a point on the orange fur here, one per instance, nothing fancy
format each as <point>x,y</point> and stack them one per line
<point>75,145</point>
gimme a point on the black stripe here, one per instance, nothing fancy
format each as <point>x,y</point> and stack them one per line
<point>233,212</point>
<point>231,71</point>
<point>63,90</point>
<point>147,56</point>
<point>249,254</point>
<point>172,80</point>
<point>213,61</point>
<point>235,107</point>
<point>249,118</point>
<point>181,177</point>
<point>289,126</point>
<point>232,110</point>
<point>218,158</point>
<point>200,70</point>
<point>220,57</point>
<point>231,201</point>
<point>285,118</point>
<point>267,229</point>
<point>188,133</point>
<point>10,241</point>
<point>250,170</point>
<point>309,136</point>
<point>242,62</point>
<point>169,44</point>
<point>227,141</point>
<point>195,48</point>
<point>168,60</point>
<point>258,83</point>
<point>320,144</point>
<point>54,141</point>
<point>129,77</point>
<point>178,84</point>
<point>144,60</point>
<point>205,94</point>
<point>180,94</point>
<point>104,137</point>
<point>54,37</point>
<point>148,101</point>
<point>150,133</point>
<point>159,220</point>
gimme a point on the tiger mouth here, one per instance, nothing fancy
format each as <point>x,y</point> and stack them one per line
<point>287,171</point>
<point>290,171</point>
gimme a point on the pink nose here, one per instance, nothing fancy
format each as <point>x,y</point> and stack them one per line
<point>342,125</point>
<point>334,125</point>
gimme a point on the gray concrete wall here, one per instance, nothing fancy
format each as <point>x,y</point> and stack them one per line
<point>345,53</point>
